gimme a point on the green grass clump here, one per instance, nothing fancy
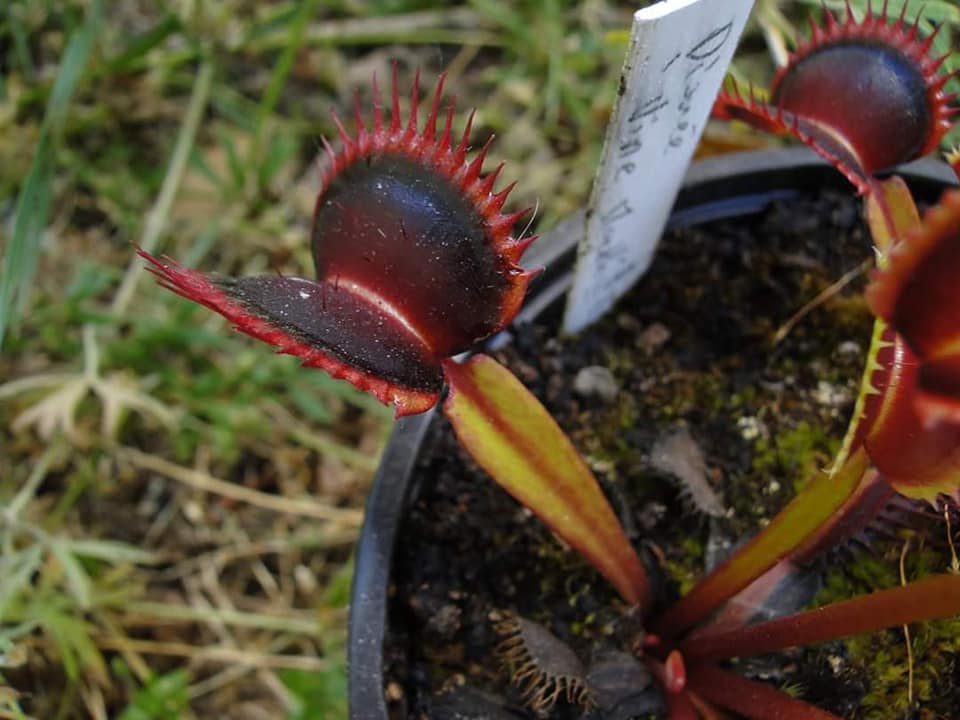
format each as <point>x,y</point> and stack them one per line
<point>880,662</point>
<point>177,504</point>
<point>795,455</point>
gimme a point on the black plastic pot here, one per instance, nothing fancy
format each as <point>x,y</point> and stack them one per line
<point>716,188</point>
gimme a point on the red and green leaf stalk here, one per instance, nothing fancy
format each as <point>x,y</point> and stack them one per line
<point>517,442</point>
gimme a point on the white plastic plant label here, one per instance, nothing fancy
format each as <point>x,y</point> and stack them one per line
<point>678,55</point>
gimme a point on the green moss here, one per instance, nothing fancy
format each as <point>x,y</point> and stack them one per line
<point>795,454</point>
<point>879,661</point>
<point>683,574</point>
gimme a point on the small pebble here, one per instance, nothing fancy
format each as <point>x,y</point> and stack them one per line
<point>751,427</point>
<point>446,622</point>
<point>652,337</point>
<point>617,682</point>
<point>849,347</point>
<point>596,381</point>
<point>831,395</point>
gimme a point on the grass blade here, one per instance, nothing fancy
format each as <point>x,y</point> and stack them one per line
<point>37,475</point>
<point>112,551</point>
<point>281,71</point>
<point>35,200</point>
<point>77,579</point>
<point>18,570</point>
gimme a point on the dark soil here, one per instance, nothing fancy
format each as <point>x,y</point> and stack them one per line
<point>690,347</point>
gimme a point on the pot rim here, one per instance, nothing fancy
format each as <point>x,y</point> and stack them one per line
<point>714,188</point>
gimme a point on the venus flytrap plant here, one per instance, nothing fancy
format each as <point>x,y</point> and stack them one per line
<point>416,263</point>
<point>888,446</point>
<point>904,434</point>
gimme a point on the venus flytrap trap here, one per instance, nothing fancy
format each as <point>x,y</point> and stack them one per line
<point>416,263</point>
<point>865,95</point>
<point>915,292</point>
<point>542,666</point>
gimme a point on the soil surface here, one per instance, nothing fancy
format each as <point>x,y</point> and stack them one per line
<point>682,378</point>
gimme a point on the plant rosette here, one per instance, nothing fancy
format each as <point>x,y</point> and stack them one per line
<point>681,427</point>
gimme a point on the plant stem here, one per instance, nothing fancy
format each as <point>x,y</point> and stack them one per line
<point>804,516</point>
<point>262,621</point>
<point>207,483</point>
<point>753,700</point>
<point>157,217</point>
<point>932,598</point>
